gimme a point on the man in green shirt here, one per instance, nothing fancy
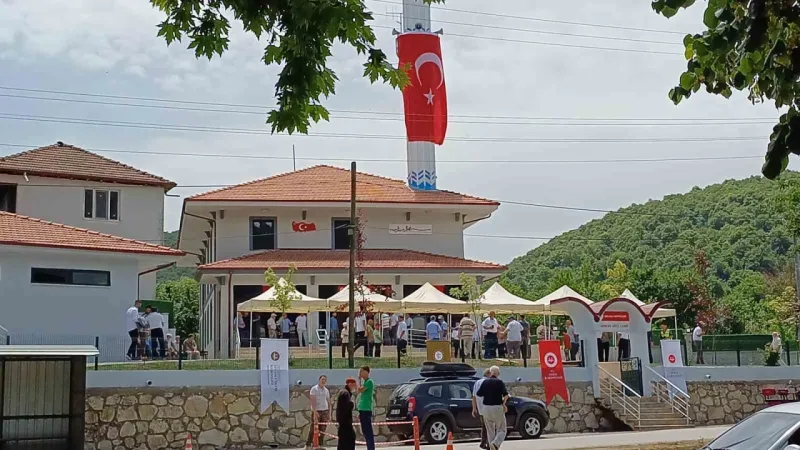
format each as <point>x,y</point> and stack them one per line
<point>366,401</point>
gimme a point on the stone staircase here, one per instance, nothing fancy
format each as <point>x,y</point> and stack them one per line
<point>652,415</point>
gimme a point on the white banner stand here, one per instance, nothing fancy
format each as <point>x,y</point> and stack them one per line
<point>274,373</point>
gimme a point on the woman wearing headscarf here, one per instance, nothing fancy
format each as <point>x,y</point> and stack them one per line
<point>344,416</point>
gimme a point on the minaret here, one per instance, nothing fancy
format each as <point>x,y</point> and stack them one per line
<point>421,155</point>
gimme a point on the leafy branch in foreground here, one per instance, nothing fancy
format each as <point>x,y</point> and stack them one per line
<point>299,36</point>
<point>751,46</point>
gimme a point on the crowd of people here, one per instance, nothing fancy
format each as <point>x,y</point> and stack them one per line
<point>489,402</point>
<point>149,340</point>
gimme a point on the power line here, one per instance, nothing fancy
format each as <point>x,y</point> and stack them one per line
<point>396,119</point>
<point>554,33</point>
<point>251,131</point>
<point>538,19</point>
<point>403,161</point>
<point>555,44</point>
<point>372,113</point>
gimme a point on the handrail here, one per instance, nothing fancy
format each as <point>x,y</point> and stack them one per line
<point>630,405</point>
<point>679,403</point>
<point>622,383</point>
<point>671,384</point>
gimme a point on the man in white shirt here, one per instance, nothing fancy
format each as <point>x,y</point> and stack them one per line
<point>301,324</point>
<point>697,343</point>
<point>386,328</point>
<point>402,335</point>
<point>490,328</point>
<point>157,325</point>
<point>514,338</point>
<point>393,328</point>
<point>272,326</point>
<point>361,333</point>
<point>477,407</point>
<point>133,331</point>
<point>321,407</point>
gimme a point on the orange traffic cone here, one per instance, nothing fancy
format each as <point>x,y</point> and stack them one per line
<point>449,441</point>
<point>188,441</point>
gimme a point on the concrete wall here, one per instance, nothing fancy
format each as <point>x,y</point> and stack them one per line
<point>233,232</point>
<point>141,210</point>
<point>58,314</point>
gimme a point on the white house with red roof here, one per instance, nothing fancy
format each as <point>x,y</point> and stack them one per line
<point>63,284</point>
<point>71,186</point>
<point>300,218</point>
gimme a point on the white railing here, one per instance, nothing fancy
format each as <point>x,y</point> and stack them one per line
<point>3,335</point>
<point>616,391</point>
<point>666,391</point>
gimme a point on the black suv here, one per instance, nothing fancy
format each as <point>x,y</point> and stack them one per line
<point>442,400</point>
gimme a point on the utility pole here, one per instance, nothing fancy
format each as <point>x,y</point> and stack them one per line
<point>294,159</point>
<point>352,230</point>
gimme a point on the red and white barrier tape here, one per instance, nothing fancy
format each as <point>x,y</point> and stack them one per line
<point>377,444</point>
<point>356,424</point>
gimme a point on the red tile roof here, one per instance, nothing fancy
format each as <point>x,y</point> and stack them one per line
<point>28,231</point>
<point>332,184</point>
<point>373,259</point>
<point>66,161</point>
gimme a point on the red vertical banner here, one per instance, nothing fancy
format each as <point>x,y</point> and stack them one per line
<point>552,371</point>
<point>425,97</point>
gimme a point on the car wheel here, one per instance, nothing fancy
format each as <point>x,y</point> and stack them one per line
<point>530,426</point>
<point>437,429</point>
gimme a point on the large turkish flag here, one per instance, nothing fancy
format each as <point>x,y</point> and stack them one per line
<point>425,98</point>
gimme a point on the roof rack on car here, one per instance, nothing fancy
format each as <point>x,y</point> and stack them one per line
<point>433,369</point>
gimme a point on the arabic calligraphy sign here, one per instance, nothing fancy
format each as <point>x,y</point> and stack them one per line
<point>409,229</point>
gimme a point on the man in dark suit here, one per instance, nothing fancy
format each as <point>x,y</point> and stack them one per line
<point>344,416</point>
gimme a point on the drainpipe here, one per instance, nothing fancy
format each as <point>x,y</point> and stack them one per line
<point>155,269</point>
<point>230,308</point>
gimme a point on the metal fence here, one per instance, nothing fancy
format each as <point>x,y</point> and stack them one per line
<point>117,353</point>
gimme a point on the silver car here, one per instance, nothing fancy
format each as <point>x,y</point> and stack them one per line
<point>775,428</point>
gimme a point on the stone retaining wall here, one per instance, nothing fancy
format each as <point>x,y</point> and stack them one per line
<point>720,403</point>
<point>158,418</point>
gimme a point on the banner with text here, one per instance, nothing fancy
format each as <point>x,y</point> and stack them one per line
<point>552,371</point>
<point>274,373</point>
<point>672,361</point>
<point>615,321</point>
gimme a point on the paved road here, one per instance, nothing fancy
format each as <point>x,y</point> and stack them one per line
<point>589,440</point>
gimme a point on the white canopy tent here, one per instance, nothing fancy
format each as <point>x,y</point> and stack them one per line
<point>660,313</point>
<point>300,304</point>
<point>380,302</point>
<point>499,300</point>
<point>428,299</point>
<point>558,294</point>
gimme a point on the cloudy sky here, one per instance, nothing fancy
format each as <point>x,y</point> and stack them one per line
<point>504,68</point>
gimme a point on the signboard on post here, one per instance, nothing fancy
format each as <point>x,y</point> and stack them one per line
<point>552,371</point>
<point>672,361</point>
<point>274,373</point>
<point>615,321</point>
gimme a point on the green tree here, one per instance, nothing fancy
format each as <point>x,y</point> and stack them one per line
<point>285,291</point>
<point>299,34</point>
<point>468,291</point>
<point>751,46</point>
<point>617,280</point>
<point>184,293</point>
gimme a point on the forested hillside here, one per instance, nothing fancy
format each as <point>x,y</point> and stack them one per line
<point>733,228</point>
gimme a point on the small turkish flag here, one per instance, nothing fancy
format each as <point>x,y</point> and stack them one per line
<point>425,98</point>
